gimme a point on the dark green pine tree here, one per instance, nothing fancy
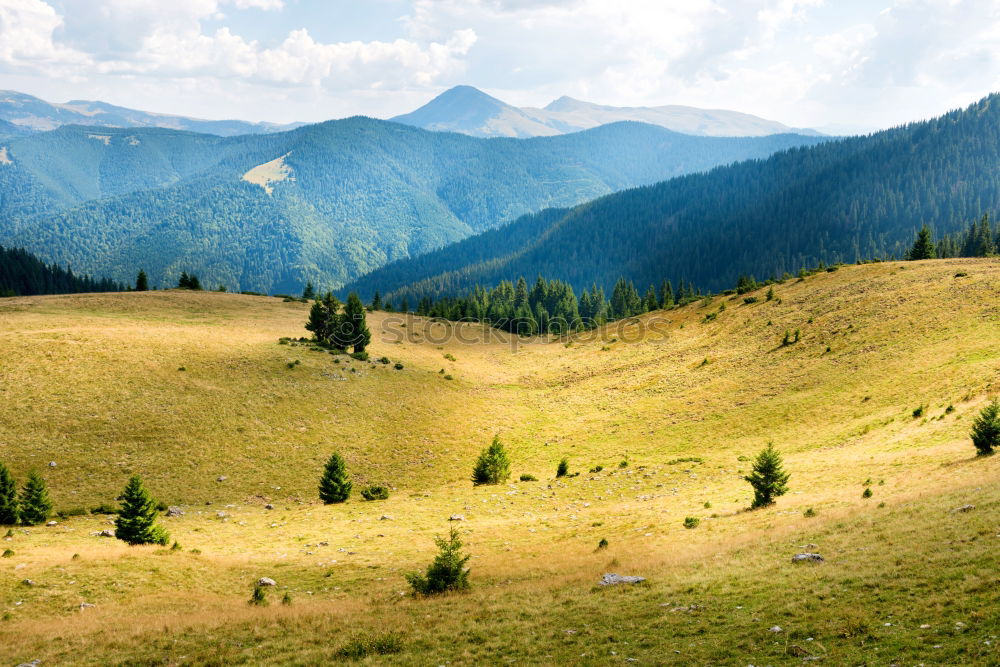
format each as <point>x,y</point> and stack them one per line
<point>35,505</point>
<point>194,283</point>
<point>768,478</point>
<point>309,292</point>
<point>353,330</point>
<point>493,465</point>
<point>141,282</point>
<point>136,522</point>
<point>666,295</point>
<point>334,486</point>
<point>184,282</point>
<point>404,307</point>
<point>377,301</point>
<point>650,303</point>
<point>8,498</point>
<point>923,246</point>
<point>986,429</point>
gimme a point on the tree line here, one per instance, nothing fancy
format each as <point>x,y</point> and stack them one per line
<point>24,274</point>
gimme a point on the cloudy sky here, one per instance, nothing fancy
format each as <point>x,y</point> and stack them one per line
<point>832,64</point>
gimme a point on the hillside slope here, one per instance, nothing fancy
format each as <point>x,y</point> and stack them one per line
<point>324,203</point>
<point>840,201</point>
<point>683,400</point>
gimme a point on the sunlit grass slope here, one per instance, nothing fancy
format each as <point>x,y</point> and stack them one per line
<point>93,383</point>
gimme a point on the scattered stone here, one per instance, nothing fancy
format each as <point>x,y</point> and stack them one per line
<point>221,478</point>
<point>964,508</point>
<point>775,629</point>
<point>29,582</point>
<point>106,533</point>
<point>52,464</point>
<point>33,663</point>
<point>385,517</point>
<point>175,511</point>
<point>807,558</point>
<point>456,517</point>
<point>925,626</point>
<point>221,514</point>
<point>52,523</point>
<point>266,581</point>
<point>612,579</point>
<point>269,506</point>
<point>86,605</point>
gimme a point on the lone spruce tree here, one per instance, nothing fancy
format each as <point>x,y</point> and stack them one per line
<point>353,330</point>
<point>447,572</point>
<point>986,429</point>
<point>35,506</point>
<point>136,522</point>
<point>141,282</point>
<point>923,247</point>
<point>768,479</point>
<point>493,465</point>
<point>335,487</point>
<point>8,498</point>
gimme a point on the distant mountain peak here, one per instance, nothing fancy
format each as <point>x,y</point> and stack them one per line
<point>470,111</point>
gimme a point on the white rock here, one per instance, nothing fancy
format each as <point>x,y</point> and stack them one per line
<point>775,629</point>
<point>612,579</point>
<point>456,517</point>
<point>266,581</point>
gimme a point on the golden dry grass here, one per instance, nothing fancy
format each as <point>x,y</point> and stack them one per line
<point>92,383</point>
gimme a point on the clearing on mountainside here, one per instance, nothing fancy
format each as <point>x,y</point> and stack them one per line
<point>270,172</point>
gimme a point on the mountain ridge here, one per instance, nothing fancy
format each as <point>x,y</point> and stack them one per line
<point>468,110</point>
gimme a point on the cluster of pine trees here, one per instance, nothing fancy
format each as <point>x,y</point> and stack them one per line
<point>339,330</point>
<point>29,508</point>
<point>549,306</point>
<point>24,274</point>
<point>980,239</point>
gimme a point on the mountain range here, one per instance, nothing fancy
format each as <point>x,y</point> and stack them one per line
<point>23,113</point>
<point>324,203</point>
<point>853,199</point>
<point>461,109</point>
<point>470,111</point>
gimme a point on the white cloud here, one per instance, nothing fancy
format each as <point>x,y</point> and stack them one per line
<point>804,62</point>
<point>266,5</point>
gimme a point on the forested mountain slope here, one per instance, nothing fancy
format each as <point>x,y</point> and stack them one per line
<point>850,199</point>
<point>323,203</point>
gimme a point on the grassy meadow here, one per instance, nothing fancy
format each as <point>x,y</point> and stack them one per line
<point>194,392</point>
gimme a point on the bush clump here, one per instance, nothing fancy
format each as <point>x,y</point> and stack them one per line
<point>493,465</point>
<point>563,468</point>
<point>375,492</point>
<point>447,572</point>
<point>525,477</point>
<point>691,522</point>
<point>362,647</point>
<point>258,598</point>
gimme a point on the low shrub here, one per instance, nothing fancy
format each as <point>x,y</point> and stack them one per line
<point>597,469</point>
<point>603,544</point>
<point>360,356</point>
<point>375,492</point>
<point>691,522</point>
<point>525,477</point>
<point>447,572</point>
<point>362,647</point>
<point>258,598</point>
<point>563,468</point>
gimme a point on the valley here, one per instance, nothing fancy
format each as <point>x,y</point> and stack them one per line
<point>193,391</point>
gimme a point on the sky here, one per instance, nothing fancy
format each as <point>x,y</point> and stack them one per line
<point>836,65</point>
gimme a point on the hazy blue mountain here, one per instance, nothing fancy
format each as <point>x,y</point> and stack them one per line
<point>470,111</point>
<point>839,201</point>
<point>34,114</point>
<point>325,202</point>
